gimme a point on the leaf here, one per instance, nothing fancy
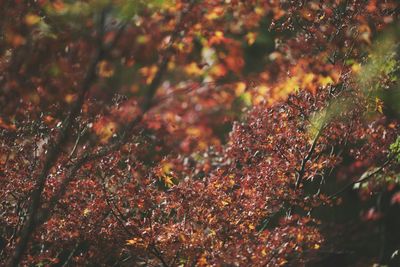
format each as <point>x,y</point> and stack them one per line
<point>105,128</point>
<point>193,69</point>
<point>132,242</point>
<point>395,149</point>
<point>202,261</point>
<point>105,69</point>
<point>7,126</point>
<point>378,105</point>
<point>395,198</point>
<point>86,212</point>
<point>32,19</point>
<point>168,181</point>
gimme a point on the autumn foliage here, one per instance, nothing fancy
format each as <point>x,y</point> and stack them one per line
<point>199,133</point>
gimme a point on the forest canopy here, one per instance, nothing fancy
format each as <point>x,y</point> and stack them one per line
<point>199,133</point>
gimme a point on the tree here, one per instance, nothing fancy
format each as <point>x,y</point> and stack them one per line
<point>181,133</point>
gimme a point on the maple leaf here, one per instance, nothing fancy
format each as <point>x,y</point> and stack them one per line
<point>233,123</point>
<point>105,69</point>
<point>32,19</point>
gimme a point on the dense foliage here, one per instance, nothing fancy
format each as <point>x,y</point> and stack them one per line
<point>199,133</point>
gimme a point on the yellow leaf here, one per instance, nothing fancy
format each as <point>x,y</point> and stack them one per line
<point>133,241</point>
<point>251,38</point>
<point>289,86</point>
<point>224,203</point>
<point>193,69</point>
<point>212,233</point>
<point>202,261</point>
<point>182,237</point>
<point>246,98</point>
<point>193,131</point>
<point>259,11</point>
<point>282,262</point>
<point>219,34</point>
<point>32,19</point>
<point>218,70</point>
<point>217,38</point>
<point>240,88</point>
<point>264,252</point>
<point>356,68</point>
<point>69,98</point>
<point>149,73</point>
<point>365,33</point>
<point>143,39</point>
<point>300,237</point>
<point>378,105</point>
<point>324,81</point>
<point>308,79</point>
<point>86,212</point>
<point>216,13</point>
<point>105,129</point>
<point>166,168</point>
<point>168,181</point>
<point>106,70</point>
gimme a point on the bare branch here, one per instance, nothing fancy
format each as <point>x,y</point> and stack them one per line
<point>361,180</point>
<point>301,172</point>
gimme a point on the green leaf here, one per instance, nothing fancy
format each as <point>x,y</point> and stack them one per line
<point>395,149</point>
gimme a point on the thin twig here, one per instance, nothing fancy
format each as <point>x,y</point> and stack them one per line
<point>158,254</point>
<point>301,172</point>
<point>361,180</point>
<point>71,254</point>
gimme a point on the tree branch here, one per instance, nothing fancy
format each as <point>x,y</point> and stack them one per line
<point>55,150</point>
<point>301,172</point>
<point>38,215</point>
<point>123,133</point>
<point>361,180</point>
